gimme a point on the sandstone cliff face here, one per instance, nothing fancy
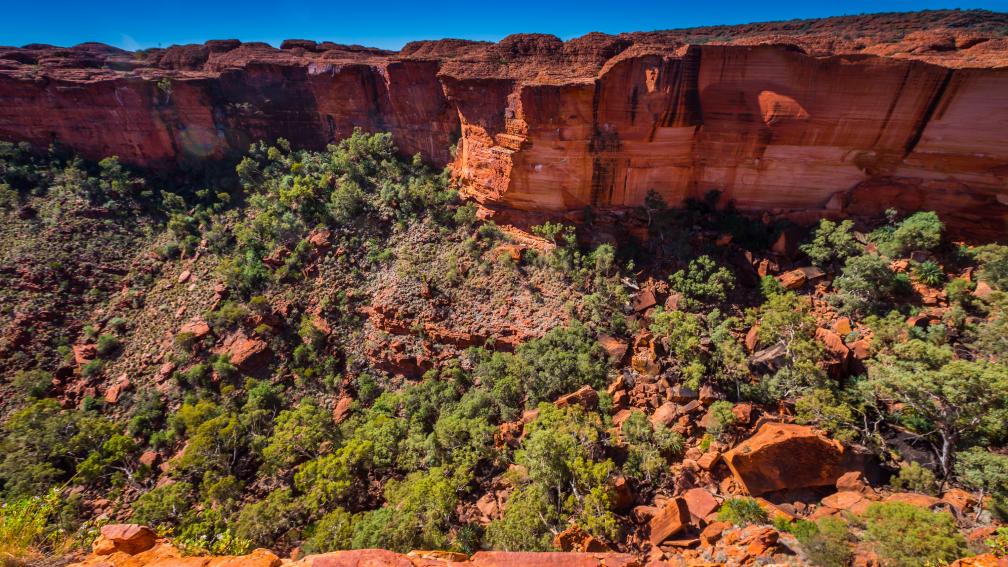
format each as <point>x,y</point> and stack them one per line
<point>780,123</point>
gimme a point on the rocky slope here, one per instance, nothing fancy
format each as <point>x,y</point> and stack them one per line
<point>843,115</point>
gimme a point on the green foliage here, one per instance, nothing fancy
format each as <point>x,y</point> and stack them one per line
<point>929,274</point>
<point>297,434</point>
<point>720,418</point>
<point>527,520</point>
<point>563,360</point>
<point>42,445</point>
<point>915,478</point>
<point>566,481</point>
<point>114,451</point>
<point>357,185</point>
<point>107,344</point>
<point>998,543</point>
<point>685,336</point>
<point>826,542</point>
<point>832,243</point>
<point>649,448</point>
<point>417,515</point>
<point>987,473</point>
<point>866,284</point>
<point>906,535</point>
<point>742,512</point>
<point>956,401</point>
<point>267,521</point>
<point>164,506</point>
<point>32,383</point>
<point>919,231</point>
<point>227,315</point>
<point>703,282</point>
<point>92,368</point>
<point>332,532</point>
<point>24,526</point>
<point>993,265</point>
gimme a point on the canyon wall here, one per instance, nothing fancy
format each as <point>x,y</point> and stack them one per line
<point>787,128</point>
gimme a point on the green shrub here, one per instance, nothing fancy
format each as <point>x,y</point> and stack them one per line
<point>527,521</point>
<point>107,344</point>
<point>32,383</point>
<point>866,284</point>
<point>929,274</point>
<point>960,291</point>
<point>266,522</point>
<point>41,445</point>
<point>832,243</point>
<point>998,543</point>
<point>993,265</point>
<point>915,478</point>
<point>720,418</point>
<point>24,526</point>
<point>742,512</point>
<point>418,515</point>
<point>826,542</point>
<point>703,282</point>
<point>649,448</point>
<point>92,368</point>
<point>297,434</point>
<point>919,231</point>
<point>332,532</point>
<point>164,506</point>
<point>563,360</point>
<point>904,535</point>
<point>987,473</point>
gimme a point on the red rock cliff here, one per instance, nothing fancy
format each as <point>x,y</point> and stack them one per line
<point>844,115</point>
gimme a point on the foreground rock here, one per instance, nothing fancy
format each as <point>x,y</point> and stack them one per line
<point>786,456</point>
<point>130,545</point>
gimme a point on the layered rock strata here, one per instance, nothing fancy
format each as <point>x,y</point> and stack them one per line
<point>779,122</point>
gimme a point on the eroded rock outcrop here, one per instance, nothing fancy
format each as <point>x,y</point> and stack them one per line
<point>851,116</point>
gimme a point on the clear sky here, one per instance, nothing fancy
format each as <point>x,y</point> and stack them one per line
<point>391,23</point>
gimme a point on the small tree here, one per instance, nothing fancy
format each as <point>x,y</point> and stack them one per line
<point>986,473</point>
<point>951,401</point>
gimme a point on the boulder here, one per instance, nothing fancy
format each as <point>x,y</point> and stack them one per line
<point>614,347</point>
<point>708,460</point>
<point>574,538</point>
<point>672,518</point>
<point>712,533</point>
<point>985,560</point>
<point>914,499</point>
<point>196,327</point>
<point>785,456</point>
<point>770,358</point>
<point>792,280</point>
<point>342,409</point>
<point>585,396</point>
<point>643,300</point>
<point>665,414</point>
<point>247,354</point>
<point>700,503</point>
<point>127,538</point>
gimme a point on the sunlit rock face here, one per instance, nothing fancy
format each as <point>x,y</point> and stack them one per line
<point>538,125</point>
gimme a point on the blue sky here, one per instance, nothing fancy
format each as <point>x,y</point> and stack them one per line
<point>391,23</point>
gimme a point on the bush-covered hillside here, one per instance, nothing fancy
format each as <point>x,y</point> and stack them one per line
<point>330,350</point>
